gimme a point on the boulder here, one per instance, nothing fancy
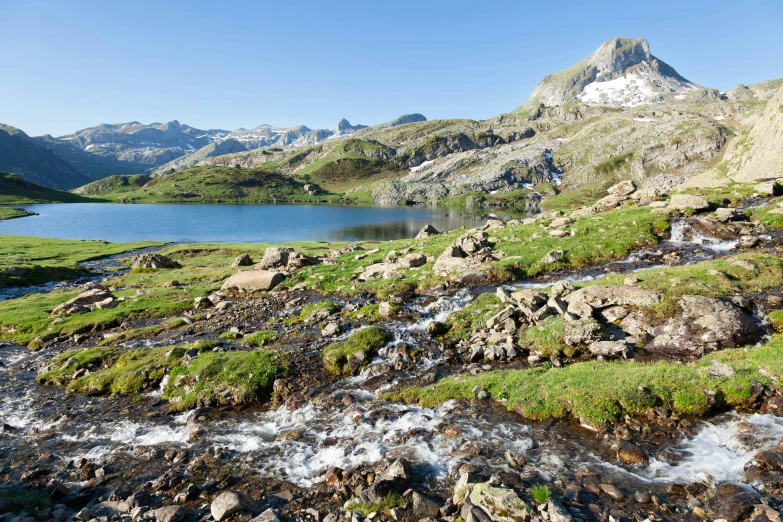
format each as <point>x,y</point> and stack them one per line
<point>630,453</point>
<point>553,257</point>
<point>424,507</point>
<point>275,257</point>
<point>604,296</point>
<point>688,202</point>
<point>153,261</point>
<point>609,348</point>
<point>91,296</point>
<point>609,202</point>
<point>704,324</point>
<point>768,188</point>
<point>582,332</point>
<point>427,231</point>
<point>501,504</point>
<point>725,215</point>
<point>413,260</point>
<point>378,271</point>
<point>242,260</point>
<point>230,502</point>
<point>720,370</point>
<point>624,188</point>
<point>253,281</point>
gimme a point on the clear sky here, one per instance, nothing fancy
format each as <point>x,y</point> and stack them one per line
<point>66,65</point>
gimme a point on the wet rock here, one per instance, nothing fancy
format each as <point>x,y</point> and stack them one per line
<point>413,260</point>
<point>734,507</point>
<point>242,260</point>
<point>253,281</point>
<point>154,261</point>
<point>230,502</point>
<point>774,406</point>
<point>630,453</point>
<point>720,370</point>
<point>437,328</point>
<point>500,504</point>
<point>688,202</point>
<point>427,231</point>
<point>624,188</point>
<point>424,507</point>
<point>553,257</point>
<point>612,491</point>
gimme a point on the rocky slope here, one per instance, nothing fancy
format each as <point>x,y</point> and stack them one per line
<point>20,154</point>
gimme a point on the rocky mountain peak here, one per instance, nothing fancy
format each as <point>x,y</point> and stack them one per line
<point>620,73</point>
<point>344,127</point>
<point>618,54</point>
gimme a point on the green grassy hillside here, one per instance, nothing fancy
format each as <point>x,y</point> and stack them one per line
<point>14,190</point>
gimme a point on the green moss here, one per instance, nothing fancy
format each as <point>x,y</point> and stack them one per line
<point>598,393</point>
<point>474,316</point>
<point>259,338</point>
<point>225,377</point>
<point>548,337</point>
<point>392,500</point>
<point>368,340</point>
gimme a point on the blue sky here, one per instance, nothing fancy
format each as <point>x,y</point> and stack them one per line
<point>70,65</point>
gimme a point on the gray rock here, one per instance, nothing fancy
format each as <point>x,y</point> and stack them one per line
<point>424,507</point>
<point>242,260</point>
<point>768,188</point>
<point>557,512</point>
<point>624,188</point>
<point>275,257</point>
<point>720,370</point>
<point>155,261</point>
<point>230,502</point>
<point>688,202</point>
<point>553,257</point>
<point>609,348</point>
<point>413,260</point>
<point>501,504</point>
<point>253,281</point>
<point>604,296</point>
<point>704,324</point>
<point>169,514</point>
<point>582,332</point>
<point>725,215</point>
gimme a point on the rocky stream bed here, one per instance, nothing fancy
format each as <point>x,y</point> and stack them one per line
<point>331,447</point>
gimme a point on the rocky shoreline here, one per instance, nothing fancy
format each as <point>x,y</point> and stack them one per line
<point>258,392</point>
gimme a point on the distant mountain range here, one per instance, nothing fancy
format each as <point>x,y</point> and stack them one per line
<point>605,96</point>
<point>97,152</point>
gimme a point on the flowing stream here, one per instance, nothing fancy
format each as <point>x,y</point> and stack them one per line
<point>346,425</point>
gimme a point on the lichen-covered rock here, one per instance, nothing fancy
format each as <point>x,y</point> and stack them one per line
<point>704,324</point>
<point>688,202</point>
<point>253,281</point>
<point>154,261</point>
<point>604,296</point>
